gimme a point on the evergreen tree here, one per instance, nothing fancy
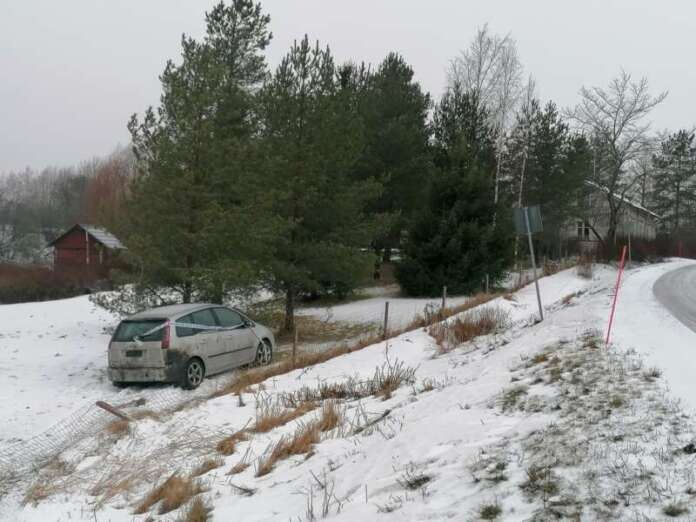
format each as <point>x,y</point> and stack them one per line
<point>674,182</point>
<point>395,110</point>
<point>195,219</point>
<point>312,140</point>
<point>456,240</point>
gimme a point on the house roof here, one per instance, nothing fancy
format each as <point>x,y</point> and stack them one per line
<point>102,235</point>
<point>629,202</point>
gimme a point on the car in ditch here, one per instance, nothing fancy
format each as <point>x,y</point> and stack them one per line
<point>184,343</point>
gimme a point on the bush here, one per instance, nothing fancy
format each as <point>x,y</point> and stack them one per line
<point>23,284</point>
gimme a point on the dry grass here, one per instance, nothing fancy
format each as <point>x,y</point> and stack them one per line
<point>206,466</point>
<point>198,511</point>
<point>273,416</point>
<point>52,480</point>
<point>301,443</point>
<point>484,321</point>
<point>118,428</point>
<point>170,495</point>
<point>228,445</point>
<point>238,467</point>
<point>386,379</point>
<point>330,417</point>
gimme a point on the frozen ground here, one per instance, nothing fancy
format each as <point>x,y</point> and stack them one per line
<point>536,421</point>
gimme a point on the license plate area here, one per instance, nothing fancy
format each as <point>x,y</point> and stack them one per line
<point>134,353</point>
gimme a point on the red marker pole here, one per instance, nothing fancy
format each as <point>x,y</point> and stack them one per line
<point>616,294</point>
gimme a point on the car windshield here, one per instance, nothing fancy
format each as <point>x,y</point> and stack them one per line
<point>129,330</point>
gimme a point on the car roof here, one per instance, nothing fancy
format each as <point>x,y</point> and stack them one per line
<point>170,311</point>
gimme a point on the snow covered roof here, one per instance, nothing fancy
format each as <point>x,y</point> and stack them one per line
<point>624,199</point>
<point>102,235</point>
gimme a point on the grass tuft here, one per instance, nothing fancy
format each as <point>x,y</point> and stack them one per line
<point>198,511</point>
<point>170,495</point>
<point>228,445</point>
<point>483,321</point>
<point>490,511</point>
<point>207,466</point>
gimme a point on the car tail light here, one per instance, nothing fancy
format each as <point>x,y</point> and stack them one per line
<point>166,335</point>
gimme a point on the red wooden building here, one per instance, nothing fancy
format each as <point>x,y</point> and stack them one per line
<point>85,252</point>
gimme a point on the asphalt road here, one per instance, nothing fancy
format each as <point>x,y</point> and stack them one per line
<point>676,290</point>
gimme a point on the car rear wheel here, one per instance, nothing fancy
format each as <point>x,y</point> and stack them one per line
<point>264,354</point>
<point>193,374</point>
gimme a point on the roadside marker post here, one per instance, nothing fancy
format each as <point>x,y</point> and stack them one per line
<point>616,295</point>
<point>528,221</point>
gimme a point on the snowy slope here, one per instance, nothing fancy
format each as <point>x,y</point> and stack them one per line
<point>445,425</point>
<point>52,358</point>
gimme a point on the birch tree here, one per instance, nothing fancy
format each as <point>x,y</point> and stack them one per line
<point>616,117</point>
<point>491,68</point>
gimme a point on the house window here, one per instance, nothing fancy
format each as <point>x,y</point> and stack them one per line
<point>583,230</point>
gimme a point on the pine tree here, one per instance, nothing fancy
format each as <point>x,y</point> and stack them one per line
<point>674,182</point>
<point>395,111</point>
<point>194,222</point>
<point>312,141</point>
<point>457,240</point>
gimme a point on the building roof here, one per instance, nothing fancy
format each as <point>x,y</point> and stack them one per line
<point>629,202</point>
<point>102,235</point>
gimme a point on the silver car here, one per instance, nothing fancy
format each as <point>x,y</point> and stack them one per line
<point>184,343</point>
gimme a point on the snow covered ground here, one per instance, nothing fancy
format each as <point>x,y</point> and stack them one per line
<point>509,424</point>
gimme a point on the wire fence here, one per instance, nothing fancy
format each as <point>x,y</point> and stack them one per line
<point>23,458</point>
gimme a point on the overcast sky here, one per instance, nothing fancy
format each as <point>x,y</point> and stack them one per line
<point>72,72</point>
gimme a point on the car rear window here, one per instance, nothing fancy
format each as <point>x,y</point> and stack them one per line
<point>128,330</point>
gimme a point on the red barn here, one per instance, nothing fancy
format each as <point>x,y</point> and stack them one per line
<point>85,252</point>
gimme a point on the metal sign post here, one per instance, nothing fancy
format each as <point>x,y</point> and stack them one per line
<point>528,220</point>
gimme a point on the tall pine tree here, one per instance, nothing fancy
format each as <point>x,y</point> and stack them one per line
<point>194,222</point>
<point>312,140</point>
<point>395,109</point>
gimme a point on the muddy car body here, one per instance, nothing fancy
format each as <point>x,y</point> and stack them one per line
<point>184,343</point>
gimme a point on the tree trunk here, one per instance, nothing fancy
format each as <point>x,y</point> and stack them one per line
<point>386,256</point>
<point>289,325</point>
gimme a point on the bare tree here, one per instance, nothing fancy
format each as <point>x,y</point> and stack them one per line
<point>491,68</point>
<point>616,119</point>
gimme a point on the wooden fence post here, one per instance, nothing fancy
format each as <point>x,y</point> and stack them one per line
<point>386,320</point>
<point>294,347</point>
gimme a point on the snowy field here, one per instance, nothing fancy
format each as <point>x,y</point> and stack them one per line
<point>510,424</point>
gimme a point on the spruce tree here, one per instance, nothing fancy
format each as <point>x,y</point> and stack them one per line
<point>312,140</point>
<point>457,240</point>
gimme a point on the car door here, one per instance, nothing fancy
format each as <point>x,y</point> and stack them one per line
<point>207,338</point>
<point>237,338</point>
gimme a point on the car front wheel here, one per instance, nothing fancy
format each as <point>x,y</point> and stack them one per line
<point>264,354</point>
<point>193,374</point>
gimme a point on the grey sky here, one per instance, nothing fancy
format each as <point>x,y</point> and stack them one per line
<point>72,72</point>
